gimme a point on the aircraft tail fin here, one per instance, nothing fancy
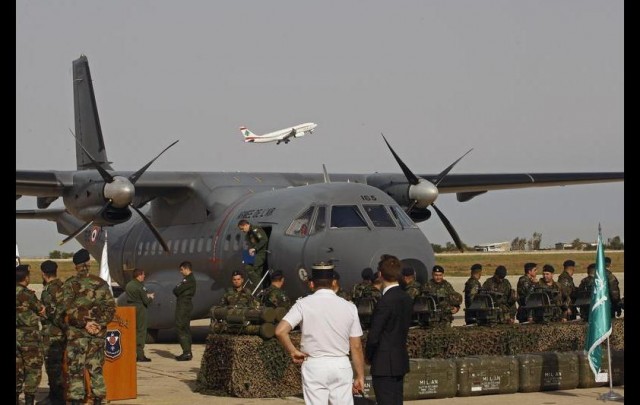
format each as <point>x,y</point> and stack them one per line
<point>247,134</point>
<point>87,123</point>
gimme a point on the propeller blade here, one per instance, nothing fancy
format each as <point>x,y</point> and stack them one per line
<point>152,228</point>
<point>76,233</point>
<point>448,169</point>
<point>449,227</point>
<point>105,174</point>
<point>135,176</point>
<point>413,179</point>
<point>410,207</point>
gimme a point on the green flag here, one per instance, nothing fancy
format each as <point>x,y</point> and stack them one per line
<point>599,327</point>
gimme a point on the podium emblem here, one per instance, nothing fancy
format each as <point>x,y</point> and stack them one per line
<point>112,344</point>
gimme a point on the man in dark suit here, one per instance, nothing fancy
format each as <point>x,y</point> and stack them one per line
<point>386,348</point>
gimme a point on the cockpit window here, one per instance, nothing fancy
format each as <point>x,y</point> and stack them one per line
<point>402,217</point>
<point>346,216</point>
<point>321,221</point>
<point>379,216</point>
<point>300,225</point>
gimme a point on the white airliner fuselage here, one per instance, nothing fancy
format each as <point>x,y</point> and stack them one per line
<point>282,135</point>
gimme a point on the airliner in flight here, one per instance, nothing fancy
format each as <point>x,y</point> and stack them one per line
<point>282,135</point>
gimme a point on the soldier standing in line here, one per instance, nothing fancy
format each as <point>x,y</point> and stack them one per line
<point>365,288</point>
<point>184,292</point>
<point>447,299</point>
<point>140,298</point>
<point>52,333</point>
<point>409,282</point>
<point>554,290</point>
<point>237,295</point>
<point>256,239</point>
<point>89,306</point>
<point>505,297</point>
<point>565,279</point>
<point>28,338</point>
<point>525,286</point>
<point>471,288</point>
<point>614,289</point>
<point>274,296</point>
<point>340,292</point>
<point>586,287</point>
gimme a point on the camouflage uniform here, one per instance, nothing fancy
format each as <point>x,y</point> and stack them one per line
<point>257,239</point>
<point>364,289</point>
<point>568,289</point>
<point>471,288</point>
<point>235,298</point>
<point>446,298</point>
<point>343,294</point>
<point>556,295</point>
<point>28,341</point>
<point>137,297</point>
<point>586,285</point>
<point>86,297</point>
<point>53,336</point>
<point>505,297</point>
<point>614,293</point>
<point>413,289</point>
<point>275,297</point>
<point>524,288</point>
<point>184,292</point>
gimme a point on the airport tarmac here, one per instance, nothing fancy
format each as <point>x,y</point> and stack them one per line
<point>167,381</point>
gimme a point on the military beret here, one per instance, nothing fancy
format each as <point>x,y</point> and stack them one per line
<point>237,273</point>
<point>529,266</point>
<point>437,269</point>
<point>476,266</point>
<point>81,256</point>
<point>592,266</point>
<point>49,267</point>
<point>501,271</point>
<point>408,271</point>
<point>22,267</point>
<point>607,260</point>
<point>569,263</point>
<point>322,271</point>
<point>367,274</point>
<point>548,268</point>
<point>277,274</point>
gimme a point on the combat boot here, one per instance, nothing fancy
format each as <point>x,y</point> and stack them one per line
<point>29,399</point>
<point>184,356</point>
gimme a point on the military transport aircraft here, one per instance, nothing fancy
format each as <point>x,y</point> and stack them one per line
<point>281,135</point>
<point>349,219</point>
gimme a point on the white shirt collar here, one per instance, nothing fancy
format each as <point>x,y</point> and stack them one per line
<point>389,287</point>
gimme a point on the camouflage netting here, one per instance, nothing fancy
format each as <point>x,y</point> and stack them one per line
<point>250,367</point>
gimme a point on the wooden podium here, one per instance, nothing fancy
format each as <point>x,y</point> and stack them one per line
<point>119,369</point>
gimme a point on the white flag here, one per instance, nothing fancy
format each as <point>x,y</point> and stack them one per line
<point>104,265</point>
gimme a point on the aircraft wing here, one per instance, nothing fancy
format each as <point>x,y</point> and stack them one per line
<point>290,134</point>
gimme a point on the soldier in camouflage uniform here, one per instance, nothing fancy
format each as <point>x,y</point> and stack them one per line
<point>565,279</point>
<point>340,292</point>
<point>238,296</point>
<point>409,282</point>
<point>89,307</point>
<point>52,333</point>
<point>471,288</point>
<point>614,289</point>
<point>274,296</point>
<point>184,292</point>
<point>365,288</point>
<point>139,298</point>
<point>504,295</point>
<point>524,288</point>
<point>554,291</point>
<point>28,338</point>
<point>447,299</point>
<point>586,287</point>
<point>256,239</point>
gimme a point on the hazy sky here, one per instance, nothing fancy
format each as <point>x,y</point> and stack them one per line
<point>532,86</point>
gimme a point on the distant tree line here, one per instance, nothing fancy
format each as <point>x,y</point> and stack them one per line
<point>56,254</point>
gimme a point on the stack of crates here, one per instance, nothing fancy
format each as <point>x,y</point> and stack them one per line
<point>548,371</point>
<point>481,375</point>
<point>588,380</point>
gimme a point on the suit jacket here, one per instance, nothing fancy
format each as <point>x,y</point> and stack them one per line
<point>386,348</point>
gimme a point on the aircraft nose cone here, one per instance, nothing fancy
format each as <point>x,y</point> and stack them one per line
<point>120,191</point>
<point>424,192</point>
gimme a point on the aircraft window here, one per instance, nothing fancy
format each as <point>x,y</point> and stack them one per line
<point>402,217</point>
<point>154,246</point>
<point>140,249</point>
<point>176,246</point>
<point>321,220</point>
<point>209,244</point>
<point>300,225</point>
<point>346,216</point>
<point>379,215</point>
<point>146,248</point>
<point>236,242</point>
<point>169,246</point>
<point>192,245</point>
<point>200,242</point>
<point>184,246</point>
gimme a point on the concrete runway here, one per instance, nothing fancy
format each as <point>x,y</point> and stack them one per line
<point>167,381</point>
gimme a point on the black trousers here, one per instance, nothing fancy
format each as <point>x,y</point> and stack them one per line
<point>388,389</point>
